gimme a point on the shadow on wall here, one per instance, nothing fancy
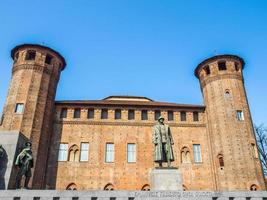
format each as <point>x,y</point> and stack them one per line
<point>3,167</point>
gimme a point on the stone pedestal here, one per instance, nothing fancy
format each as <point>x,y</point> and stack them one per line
<point>12,142</point>
<point>166,179</point>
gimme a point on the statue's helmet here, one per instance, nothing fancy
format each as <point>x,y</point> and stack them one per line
<point>160,117</point>
<point>28,144</point>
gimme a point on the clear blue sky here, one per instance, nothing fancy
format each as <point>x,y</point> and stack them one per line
<point>139,47</point>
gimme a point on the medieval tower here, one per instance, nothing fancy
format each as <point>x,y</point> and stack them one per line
<point>30,102</point>
<point>234,155</point>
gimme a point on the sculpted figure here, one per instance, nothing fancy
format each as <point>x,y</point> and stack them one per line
<point>24,162</point>
<point>162,139</point>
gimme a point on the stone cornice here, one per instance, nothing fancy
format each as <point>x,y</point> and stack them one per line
<point>207,80</point>
<point>35,67</point>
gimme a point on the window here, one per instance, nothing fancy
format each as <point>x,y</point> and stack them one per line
<point>19,108</point>
<point>144,115</point>
<point>197,153</point>
<point>30,55</point>
<point>236,66</point>
<point>253,187</point>
<point>195,116</point>
<point>157,114</point>
<point>185,155</point>
<point>48,59</point>
<point>170,115</point>
<point>74,153</point>
<point>145,187</point>
<point>221,161</point>
<point>207,69</point>
<point>84,151</point>
<point>131,153</point>
<point>109,186</point>
<point>104,114</point>
<point>63,113</point>
<point>109,152</point>
<point>227,94</point>
<point>90,113</point>
<point>222,65</point>
<point>131,114</point>
<point>71,186</point>
<point>254,150</point>
<point>63,152</point>
<point>16,57</point>
<point>117,114</point>
<point>240,115</point>
<point>77,113</point>
<point>183,115</point>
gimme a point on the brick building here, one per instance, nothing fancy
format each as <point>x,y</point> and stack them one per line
<point>107,144</point>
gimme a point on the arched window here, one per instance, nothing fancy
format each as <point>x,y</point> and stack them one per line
<point>185,188</point>
<point>185,155</point>
<point>74,153</point>
<point>221,161</point>
<point>145,187</point>
<point>227,94</point>
<point>253,187</point>
<point>109,186</point>
<point>71,186</point>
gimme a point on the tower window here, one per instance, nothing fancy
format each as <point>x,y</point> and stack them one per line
<point>19,108</point>
<point>131,153</point>
<point>84,151</point>
<point>170,115</point>
<point>157,114</point>
<point>254,150</point>
<point>236,66</point>
<point>197,153</point>
<point>104,114</point>
<point>63,152</point>
<point>144,115</point>
<point>221,161</point>
<point>183,115</point>
<point>30,55</point>
<point>48,59</point>
<point>77,113</point>
<point>63,113</point>
<point>222,65</point>
<point>227,94</point>
<point>207,69</point>
<point>16,57</point>
<point>195,116</point>
<point>90,113</point>
<point>109,152</point>
<point>240,115</point>
<point>131,114</point>
<point>253,187</point>
<point>117,114</point>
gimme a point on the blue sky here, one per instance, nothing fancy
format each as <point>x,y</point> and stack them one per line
<point>139,47</point>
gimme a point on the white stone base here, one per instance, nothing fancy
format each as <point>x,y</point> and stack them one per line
<point>166,179</point>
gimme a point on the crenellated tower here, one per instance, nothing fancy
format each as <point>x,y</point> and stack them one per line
<point>235,159</point>
<point>30,101</point>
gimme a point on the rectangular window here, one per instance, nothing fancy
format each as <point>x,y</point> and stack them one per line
<point>77,113</point>
<point>48,59</point>
<point>195,116</point>
<point>240,115</point>
<point>222,65</point>
<point>131,153</point>
<point>30,55</point>
<point>131,114</point>
<point>90,113</point>
<point>19,108</point>
<point>170,115</point>
<point>104,113</point>
<point>144,115</point>
<point>183,115</point>
<point>84,151</point>
<point>63,152</point>
<point>109,152</point>
<point>118,114</point>
<point>197,153</point>
<point>63,113</point>
<point>207,69</point>
<point>157,114</point>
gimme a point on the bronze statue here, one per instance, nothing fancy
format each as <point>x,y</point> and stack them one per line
<point>24,162</point>
<point>162,139</point>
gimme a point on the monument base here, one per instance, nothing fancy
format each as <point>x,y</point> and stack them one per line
<point>166,179</point>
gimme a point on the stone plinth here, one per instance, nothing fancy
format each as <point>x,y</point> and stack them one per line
<point>166,179</point>
<point>12,142</point>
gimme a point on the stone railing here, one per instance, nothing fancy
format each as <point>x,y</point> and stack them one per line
<point>129,195</point>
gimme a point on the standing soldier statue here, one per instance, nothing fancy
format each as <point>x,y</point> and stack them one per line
<point>162,139</point>
<point>24,162</point>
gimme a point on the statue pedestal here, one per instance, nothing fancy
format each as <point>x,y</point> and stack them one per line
<point>166,179</point>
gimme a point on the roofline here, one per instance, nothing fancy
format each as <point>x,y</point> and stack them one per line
<point>113,103</point>
<point>126,96</point>
<point>216,58</point>
<point>16,48</point>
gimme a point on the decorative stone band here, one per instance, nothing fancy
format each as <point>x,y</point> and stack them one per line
<point>129,123</point>
<point>38,68</point>
<point>207,80</point>
<point>129,195</point>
